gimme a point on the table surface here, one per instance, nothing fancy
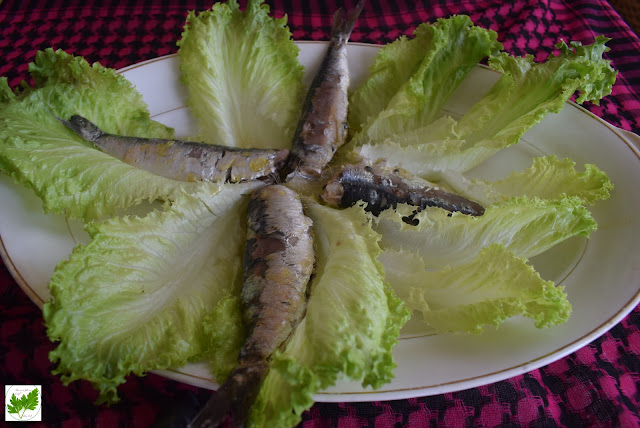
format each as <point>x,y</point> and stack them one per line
<point>596,386</point>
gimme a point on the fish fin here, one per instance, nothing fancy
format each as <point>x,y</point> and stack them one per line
<point>84,128</point>
<point>233,400</point>
<point>343,22</point>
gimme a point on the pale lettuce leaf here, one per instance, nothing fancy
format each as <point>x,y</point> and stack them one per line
<point>494,286</point>
<point>548,177</point>
<point>242,75</point>
<point>411,79</point>
<point>137,296</point>
<point>525,93</point>
<point>525,226</point>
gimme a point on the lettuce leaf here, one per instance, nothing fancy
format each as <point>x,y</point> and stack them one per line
<point>494,286</point>
<point>242,75</point>
<point>525,226</point>
<point>6,94</point>
<point>465,272</point>
<point>70,85</point>
<point>67,173</point>
<point>548,177</point>
<point>411,79</point>
<point>225,330</point>
<point>137,296</point>
<point>352,322</point>
<point>524,94</point>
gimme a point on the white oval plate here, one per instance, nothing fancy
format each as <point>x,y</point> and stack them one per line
<point>601,275</point>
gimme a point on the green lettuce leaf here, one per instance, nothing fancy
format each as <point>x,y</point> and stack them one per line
<point>548,177</point>
<point>525,226</point>
<point>242,75</point>
<point>224,328</point>
<point>351,325</point>
<point>524,94</point>
<point>137,296</point>
<point>494,286</point>
<point>528,91</point>
<point>6,94</point>
<point>67,173</point>
<point>411,79</point>
<point>68,85</point>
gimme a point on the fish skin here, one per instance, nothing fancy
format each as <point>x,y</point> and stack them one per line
<point>278,263</point>
<point>183,160</point>
<point>322,127</point>
<point>382,188</point>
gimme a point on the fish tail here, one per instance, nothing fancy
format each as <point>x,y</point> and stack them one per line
<point>343,22</point>
<point>233,400</point>
<point>84,128</point>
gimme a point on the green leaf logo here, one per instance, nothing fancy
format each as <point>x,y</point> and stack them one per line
<point>18,406</point>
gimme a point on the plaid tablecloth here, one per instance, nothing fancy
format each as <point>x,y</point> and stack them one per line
<point>595,386</point>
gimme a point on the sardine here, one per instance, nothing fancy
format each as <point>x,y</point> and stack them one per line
<point>382,188</point>
<point>183,160</point>
<point>278,263</point>
<point>322,127</point>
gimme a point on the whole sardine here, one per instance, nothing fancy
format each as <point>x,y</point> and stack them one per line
<point>381,188</point>
<point>278,262</point>
<point>183,160</point>
<point>322,128</point>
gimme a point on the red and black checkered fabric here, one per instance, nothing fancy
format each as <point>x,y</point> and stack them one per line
<point>595,386</point>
